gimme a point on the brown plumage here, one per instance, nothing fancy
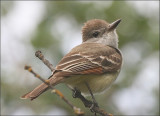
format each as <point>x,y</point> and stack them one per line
<point>94,24</point>
<point>97,63</point>
<point>96,59</point>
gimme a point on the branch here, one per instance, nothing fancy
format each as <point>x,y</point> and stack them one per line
<point>57,92</point>
<point>45,61</point>
<point>88,104</point>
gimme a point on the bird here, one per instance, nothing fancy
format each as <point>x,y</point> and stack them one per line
<point>97,61</point>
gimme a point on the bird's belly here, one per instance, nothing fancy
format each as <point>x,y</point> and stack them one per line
<point>97,83</point>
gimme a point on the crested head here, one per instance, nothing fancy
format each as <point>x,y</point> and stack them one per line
<point>91,25</point>
<point>100,31</point>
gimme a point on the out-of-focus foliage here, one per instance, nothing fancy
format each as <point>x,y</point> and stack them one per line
<point>6,7</point>
<point>138,41</point>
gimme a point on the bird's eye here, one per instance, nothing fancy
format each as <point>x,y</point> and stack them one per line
<point>95,34</point>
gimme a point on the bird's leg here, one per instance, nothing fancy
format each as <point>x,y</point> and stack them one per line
<point>87,103</point>
<point>77,94</point>
<point>93,98</point>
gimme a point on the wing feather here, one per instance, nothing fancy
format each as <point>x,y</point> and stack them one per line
<point>96,59</point>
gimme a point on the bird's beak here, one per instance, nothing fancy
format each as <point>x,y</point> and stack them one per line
<point>113,25</point>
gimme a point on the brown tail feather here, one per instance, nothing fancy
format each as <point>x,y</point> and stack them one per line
<point>36,92</point>
<point>41,88</point>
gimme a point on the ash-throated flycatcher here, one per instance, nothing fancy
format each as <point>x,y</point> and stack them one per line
<point>97,61</point>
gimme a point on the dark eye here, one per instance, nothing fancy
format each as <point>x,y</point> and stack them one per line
<point>95,34</point>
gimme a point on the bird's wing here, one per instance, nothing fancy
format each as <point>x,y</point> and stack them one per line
<point>94,59</point>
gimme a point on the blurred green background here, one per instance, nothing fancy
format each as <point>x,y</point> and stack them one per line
<point>54,27</point>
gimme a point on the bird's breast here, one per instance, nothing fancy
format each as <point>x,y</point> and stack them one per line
<point>97,83</point>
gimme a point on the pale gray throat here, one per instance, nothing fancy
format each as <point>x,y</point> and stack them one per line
<point>110,39</point>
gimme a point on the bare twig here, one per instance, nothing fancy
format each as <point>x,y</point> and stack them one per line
<point>57,92</point>
<point>45,61</point>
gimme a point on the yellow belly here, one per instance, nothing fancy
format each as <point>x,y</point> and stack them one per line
<point>97,83</point>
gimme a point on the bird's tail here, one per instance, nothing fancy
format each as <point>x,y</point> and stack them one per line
<point>35,92</point>
<point>41,89</point>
